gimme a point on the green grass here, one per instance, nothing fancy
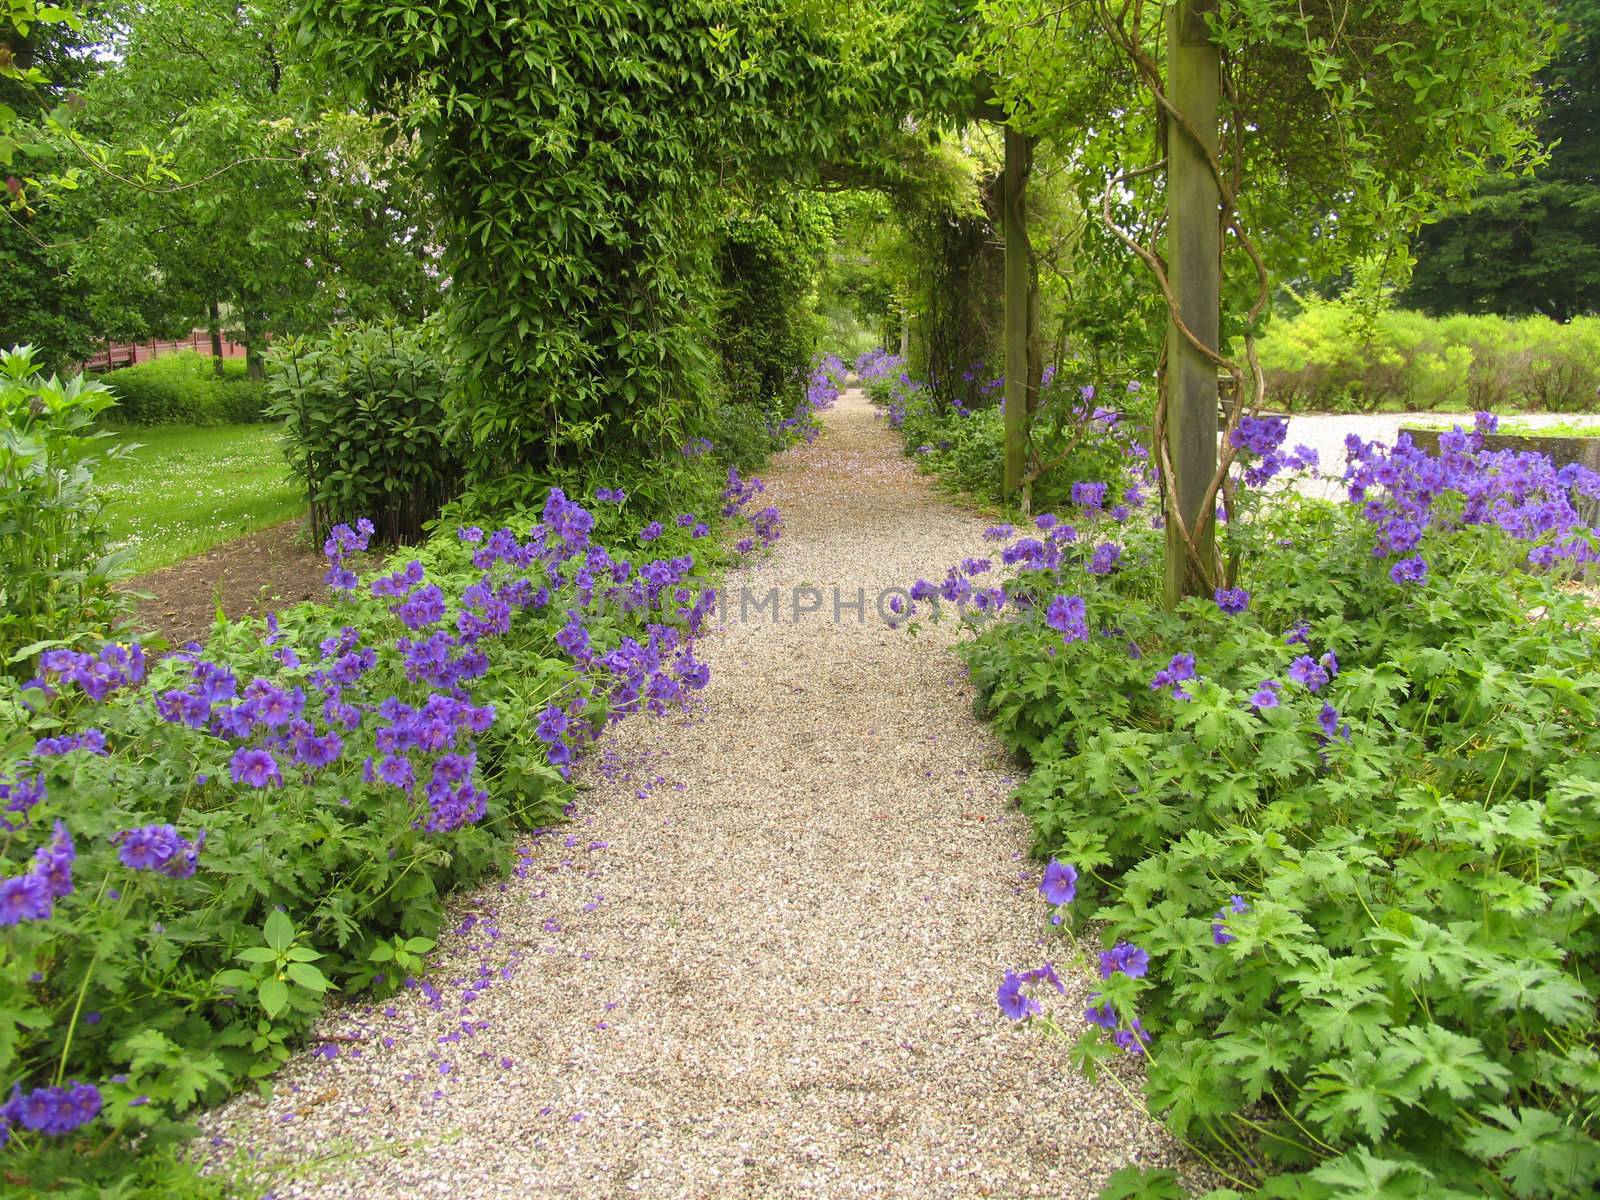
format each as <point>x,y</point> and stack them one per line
<point>185,489</point>
<point>1527,429</point>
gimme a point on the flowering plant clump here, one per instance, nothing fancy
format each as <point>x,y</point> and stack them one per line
<point>1334,822</point>
<point>319,779</point>
<point>823,386</point>
<point>1077,441</point>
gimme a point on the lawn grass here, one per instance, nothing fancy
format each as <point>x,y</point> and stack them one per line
<point>185,489</point>
<point>1578,428</point>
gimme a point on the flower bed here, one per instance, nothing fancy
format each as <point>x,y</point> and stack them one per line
<point>1334,827</point>
<point>198,847</point>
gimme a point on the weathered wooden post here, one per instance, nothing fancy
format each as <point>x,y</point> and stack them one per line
<point>1015,228</point>
<point>1194,266</point>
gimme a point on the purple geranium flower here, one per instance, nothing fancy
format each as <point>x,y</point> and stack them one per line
<point>1126,958</point>
<point>1060,883</point>
<point>1232,600</point>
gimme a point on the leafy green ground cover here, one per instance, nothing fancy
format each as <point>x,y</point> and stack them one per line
<point>185,489</point>
<point>1335,827</point>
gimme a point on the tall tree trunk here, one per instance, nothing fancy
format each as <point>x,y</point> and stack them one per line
<point>214,325</point>
<point>1017,296</point>
<point>254,368</point>
<point>1194,264</point>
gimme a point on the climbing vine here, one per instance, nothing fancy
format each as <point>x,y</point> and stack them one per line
<point>583,153</point>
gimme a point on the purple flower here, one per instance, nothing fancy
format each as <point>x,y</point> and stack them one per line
<point>425,607</point>
<point>1328,719</point>
<point>396,770</point>
<point>159,848</point>
<point>1134,1039</point>
<point>552,724</point>
<point>1089,495</point>
<point>1066,616</point>
<point>1104,1015</point>
<point>1126,958</point>
<point>1307,672</point>
<point>1266,695</point>
<point>1410,570</point>
<point>651,532</point>
<point>53,862</point>
<point>998,533</point>
<point>1060,883</point>
<point>1232,600</point>
<point>53,1111</point>
<point>25,898</point>
<point>1104,559</point>
<point>1219,930</point>
<point>255,768</point>
<point>1015,1003</point>
<point>1178,670</point>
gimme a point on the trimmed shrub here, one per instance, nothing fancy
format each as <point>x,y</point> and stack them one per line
<point>1332,358</point>
<point>183,389</point>
<point>366,426</point>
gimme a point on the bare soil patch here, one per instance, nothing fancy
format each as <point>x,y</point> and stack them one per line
<point>245,577</point>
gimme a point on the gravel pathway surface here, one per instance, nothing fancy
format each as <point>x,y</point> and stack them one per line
<point>762,960</point>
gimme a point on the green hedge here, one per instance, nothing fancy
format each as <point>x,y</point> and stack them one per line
<point>1329,358</point>
<point>183,389</point>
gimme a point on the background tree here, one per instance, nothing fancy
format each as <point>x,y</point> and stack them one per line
<point>1531,244</point>
<point>41,64</point>
<point>207,175</point>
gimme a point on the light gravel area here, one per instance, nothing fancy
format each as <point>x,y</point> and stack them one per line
<point>762,959</point>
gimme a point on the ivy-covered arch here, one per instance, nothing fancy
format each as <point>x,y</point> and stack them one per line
<point>579,152</point>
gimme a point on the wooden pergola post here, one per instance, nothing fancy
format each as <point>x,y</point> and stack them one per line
<point>1194,265</point>
<point>1018,162</point>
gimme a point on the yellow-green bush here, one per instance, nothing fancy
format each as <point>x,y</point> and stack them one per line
<point>1334,358</point>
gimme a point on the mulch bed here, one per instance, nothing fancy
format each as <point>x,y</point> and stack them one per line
<point>246,577</point>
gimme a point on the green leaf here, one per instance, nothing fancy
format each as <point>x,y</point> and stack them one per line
<point>1538,1153</point>
<point>274,994</point>
<point>1142,1183</point>
<point>279,930</point>
<point>308,977</point>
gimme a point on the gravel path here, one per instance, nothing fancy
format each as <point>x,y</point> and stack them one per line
<point>762,960</point>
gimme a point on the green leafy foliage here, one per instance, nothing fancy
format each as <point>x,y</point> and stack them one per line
<point>581,156</point>
<point>1531,244</point>
<point>1370,893</point>
<point>965,448</point>
<point>366,426</point>
<point>184,389</point>
<point>55,571</point>
<point>1405,1004</point>
<point>1334,357</point>
<point>769,257</point>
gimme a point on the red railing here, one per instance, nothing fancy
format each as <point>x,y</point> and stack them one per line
<point>126,354</point>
